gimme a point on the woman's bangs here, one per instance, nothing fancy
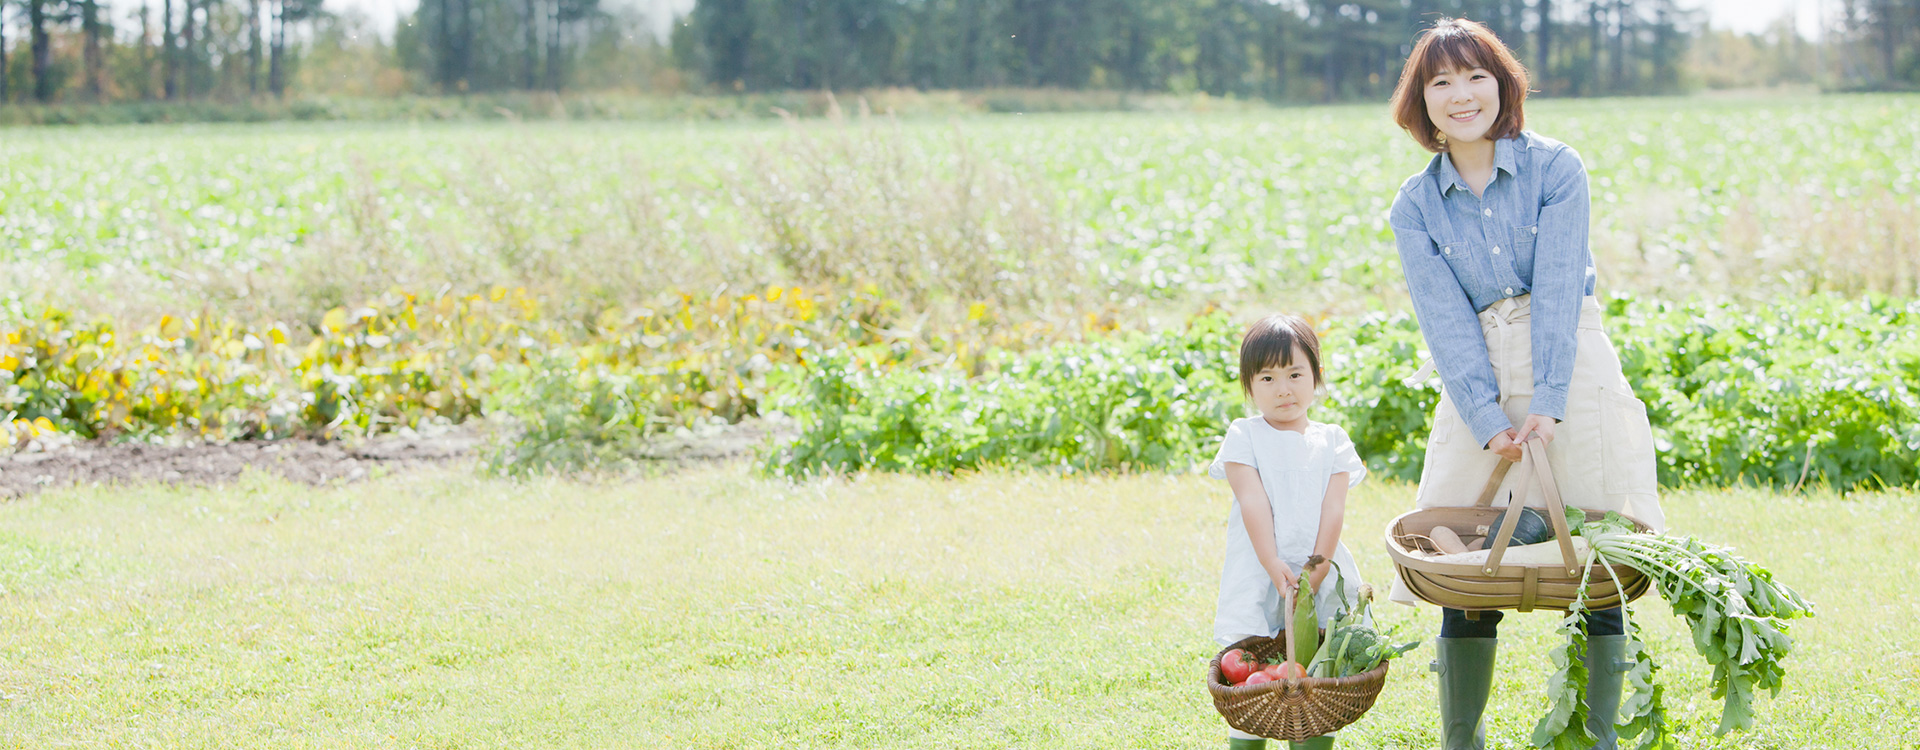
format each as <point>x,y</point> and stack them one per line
<point>1456,50</point>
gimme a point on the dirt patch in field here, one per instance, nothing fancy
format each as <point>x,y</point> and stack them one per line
<point>309,461</point>
<point>316,462</point>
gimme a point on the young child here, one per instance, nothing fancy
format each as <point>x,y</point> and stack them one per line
<point>1290,477</point>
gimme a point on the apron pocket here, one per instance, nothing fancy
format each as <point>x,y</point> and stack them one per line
<point>1626,445</point>
<point>1443,418</point>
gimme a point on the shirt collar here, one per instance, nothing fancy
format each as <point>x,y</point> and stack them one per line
<point>1503,160</point>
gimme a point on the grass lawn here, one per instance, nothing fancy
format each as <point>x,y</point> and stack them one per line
<point>710,608</point>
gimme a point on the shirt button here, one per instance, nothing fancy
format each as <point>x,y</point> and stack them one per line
<point>1509,290</point>
<point>1489,212</point>
<point>1536,230</point>
<point>1448,251</point>
<point>1496,250</point>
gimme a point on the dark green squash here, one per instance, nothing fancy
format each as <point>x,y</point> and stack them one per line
<point>1533,528</point>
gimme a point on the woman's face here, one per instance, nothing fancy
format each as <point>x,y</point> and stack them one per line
<point>1463,103</point>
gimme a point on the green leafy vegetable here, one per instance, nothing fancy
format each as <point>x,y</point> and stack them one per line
<point>1737,613</point>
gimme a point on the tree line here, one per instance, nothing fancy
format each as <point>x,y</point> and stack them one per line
<point>1289,50</point>
<point>1283,50</point>
<point>181,49</point>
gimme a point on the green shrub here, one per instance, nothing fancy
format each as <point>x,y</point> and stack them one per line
<point>1805,391</point>
<point>1818,390</point>
<point>1132,401</point>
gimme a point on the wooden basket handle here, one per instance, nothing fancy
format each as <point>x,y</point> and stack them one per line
<point>1286,616</point>
<point>1533,460</point>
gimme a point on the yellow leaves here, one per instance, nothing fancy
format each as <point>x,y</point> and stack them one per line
<point>392,361</point>
<point>334,320</point>
<point>976,311</point>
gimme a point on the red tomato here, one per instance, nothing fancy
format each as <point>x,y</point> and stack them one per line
<point>1257,678</point>
<point>1289,670</point>
<point>1237,665</point>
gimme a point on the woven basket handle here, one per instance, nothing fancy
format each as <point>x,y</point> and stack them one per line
<point>1533,459</point>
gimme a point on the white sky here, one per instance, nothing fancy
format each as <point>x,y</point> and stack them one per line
<point>1745,16</point>
<point>1754,16</point>
<point>384,12</point>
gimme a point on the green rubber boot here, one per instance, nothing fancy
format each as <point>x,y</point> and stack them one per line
<point>1235,743</point>
<point>1606,668</point>
<point>1322,742</point>
<point>1466,677</point>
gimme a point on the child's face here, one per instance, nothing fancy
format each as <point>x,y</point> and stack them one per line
<point>1282,394</point>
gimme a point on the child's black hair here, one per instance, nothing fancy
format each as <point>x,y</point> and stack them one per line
<point>1269,343</point>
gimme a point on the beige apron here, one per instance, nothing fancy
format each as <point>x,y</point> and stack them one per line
<point>1601,454</point>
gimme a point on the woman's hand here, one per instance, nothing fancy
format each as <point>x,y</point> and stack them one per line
<point>1537,425</point>
<point>1505,445</point>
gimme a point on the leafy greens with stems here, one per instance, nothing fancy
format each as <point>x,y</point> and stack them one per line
<point>1737,613</point>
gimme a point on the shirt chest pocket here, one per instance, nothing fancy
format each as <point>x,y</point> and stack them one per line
<point>1460,257</point>
<point>1524,239</point>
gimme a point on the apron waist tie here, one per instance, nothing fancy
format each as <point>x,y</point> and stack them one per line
<point>1494,321</point>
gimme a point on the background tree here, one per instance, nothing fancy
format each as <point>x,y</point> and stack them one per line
<point>286,12</point>
<point>4,98</point>
<point>253,47</point>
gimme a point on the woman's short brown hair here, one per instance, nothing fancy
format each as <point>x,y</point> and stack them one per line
<point>1458,44</point>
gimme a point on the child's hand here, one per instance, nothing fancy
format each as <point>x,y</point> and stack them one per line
<point>1319,574</point>
<point>1283,579</point>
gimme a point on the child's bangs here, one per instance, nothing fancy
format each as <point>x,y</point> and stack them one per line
<point>1275,350</point>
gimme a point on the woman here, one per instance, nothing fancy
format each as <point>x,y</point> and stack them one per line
<point>1493,241</point>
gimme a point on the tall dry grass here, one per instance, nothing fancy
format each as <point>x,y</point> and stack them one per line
<point>1764,246</point>
<point>847,202</point>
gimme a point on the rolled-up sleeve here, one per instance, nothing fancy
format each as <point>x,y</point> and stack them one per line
<point>1448,322</point>
<point>1561,259</point>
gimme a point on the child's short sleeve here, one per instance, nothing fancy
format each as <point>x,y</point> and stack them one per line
<point>1236,448</point>
<point>1346,459</point>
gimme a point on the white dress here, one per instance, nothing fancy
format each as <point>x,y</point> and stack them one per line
<point>1295,470</point>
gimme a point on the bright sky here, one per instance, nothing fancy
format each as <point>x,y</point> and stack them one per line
<point>384,12</point>
<point>1754,16</point>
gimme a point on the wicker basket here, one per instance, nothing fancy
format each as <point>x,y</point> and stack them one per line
<point>1296,708</point>
<point>1498,584</point>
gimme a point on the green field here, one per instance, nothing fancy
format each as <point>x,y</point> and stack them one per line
<point>1752,197</point>
<point>707,609</point>
<point>714,607</point>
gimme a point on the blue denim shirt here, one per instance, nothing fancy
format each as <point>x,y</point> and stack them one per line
<point>1525,234</point>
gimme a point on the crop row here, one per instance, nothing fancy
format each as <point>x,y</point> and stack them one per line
<point>1818,390</point>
